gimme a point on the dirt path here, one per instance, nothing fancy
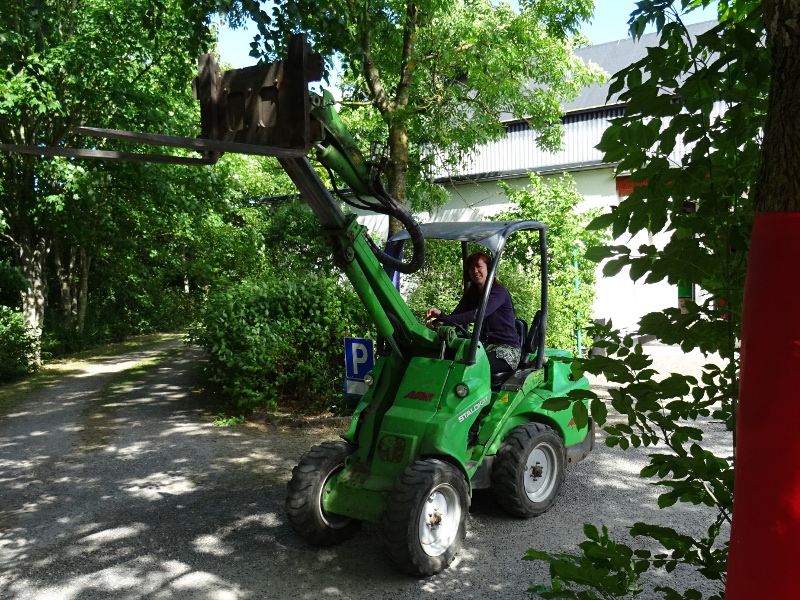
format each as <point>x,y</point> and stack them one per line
<point>115,484</point>
<point>102,481</point>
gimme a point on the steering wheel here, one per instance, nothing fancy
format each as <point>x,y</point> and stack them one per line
<point>462,331</point>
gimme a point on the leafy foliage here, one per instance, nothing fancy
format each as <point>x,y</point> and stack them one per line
<point>17,346</point>
<point>439,282</point>
<point>274,327</point>
<point>437,77</point>
<point>109,249</point>
<point>608,569</point>
<point>555,202</point>
<point>709,94</point>
<point>279,341</point>
<point>12,283</point>
<point>98,62</point>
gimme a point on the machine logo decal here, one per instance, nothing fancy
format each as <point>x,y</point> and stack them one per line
<point>475,408</point>
<point>424,396</point>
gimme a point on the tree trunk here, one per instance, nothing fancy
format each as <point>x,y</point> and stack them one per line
<point>397,170</point>
<point>66,278</point>
<point>764,551</point>
<point>83,294</point>
<point>31,254</point>
<point>778,181</point>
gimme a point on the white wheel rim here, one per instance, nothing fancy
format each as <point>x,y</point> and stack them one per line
<point>331,520</point>
<point>539,477</point>
<point>439,520</point>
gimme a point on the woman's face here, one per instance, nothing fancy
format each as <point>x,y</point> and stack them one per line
<point>478,272</point>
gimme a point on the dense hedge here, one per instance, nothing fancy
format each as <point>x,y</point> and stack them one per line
<point>279,342</point>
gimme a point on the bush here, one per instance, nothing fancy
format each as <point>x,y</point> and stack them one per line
<point>280,341</point>
<point>571,278</point>
<point>17,346</point>
<point>439,282</point>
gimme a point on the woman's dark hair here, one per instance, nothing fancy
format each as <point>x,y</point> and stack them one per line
<point>471,260</point>
<point>475,257</point>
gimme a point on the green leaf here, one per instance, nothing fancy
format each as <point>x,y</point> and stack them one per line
<point>556,404</point>
<point>603,221</point>
<point>580,414</point>
<point>613,267</point>
<point>599,411</point>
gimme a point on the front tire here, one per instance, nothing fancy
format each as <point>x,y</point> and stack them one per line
<point>529,470</point>
<point>426,517</point>
<point>304,501</point>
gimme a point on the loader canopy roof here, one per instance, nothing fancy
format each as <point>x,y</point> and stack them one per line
<point>489,234</point>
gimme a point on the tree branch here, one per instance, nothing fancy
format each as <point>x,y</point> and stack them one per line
<point>407,64</point>
<point>371,74</point>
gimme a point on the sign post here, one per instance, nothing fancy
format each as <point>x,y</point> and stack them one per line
<point>359,358</point>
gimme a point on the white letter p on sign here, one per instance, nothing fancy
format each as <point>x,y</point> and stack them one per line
<point>360,357</point>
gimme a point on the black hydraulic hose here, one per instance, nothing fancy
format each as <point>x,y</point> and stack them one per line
<point>399,212</point>
<point>417,247</point>
<point>387,205</point>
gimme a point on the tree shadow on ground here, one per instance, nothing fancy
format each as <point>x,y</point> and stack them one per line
<point>170,506</point>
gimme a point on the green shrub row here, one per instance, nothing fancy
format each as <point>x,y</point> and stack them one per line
<point>279,342</point>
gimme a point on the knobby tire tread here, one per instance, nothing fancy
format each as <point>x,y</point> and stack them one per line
<point>400,520</point>
<point>505,473</point>
<point>301,496</point>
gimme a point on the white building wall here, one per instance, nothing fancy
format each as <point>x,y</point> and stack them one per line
<point>618,298</point>
<point>518,150</point>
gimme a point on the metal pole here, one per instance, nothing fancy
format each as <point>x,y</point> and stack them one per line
<point>578,244</point>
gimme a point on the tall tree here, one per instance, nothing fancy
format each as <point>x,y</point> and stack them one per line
<point>109,63</point>
<point>708,93</point>
<point>443,74</point>
<point>743,169</point>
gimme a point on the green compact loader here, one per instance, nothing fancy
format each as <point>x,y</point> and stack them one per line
<point>435,423</point>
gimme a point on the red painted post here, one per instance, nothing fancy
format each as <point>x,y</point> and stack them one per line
<point>764,559</point>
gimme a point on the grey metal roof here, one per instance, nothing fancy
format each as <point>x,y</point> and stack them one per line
<point>615,56</point>
<point>586,118</point>
<point>489,234</point>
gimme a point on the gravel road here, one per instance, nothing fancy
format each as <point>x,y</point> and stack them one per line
<point>127,490</point>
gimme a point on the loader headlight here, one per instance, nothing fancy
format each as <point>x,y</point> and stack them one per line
<point>369,379</point>
<point>462,391</point>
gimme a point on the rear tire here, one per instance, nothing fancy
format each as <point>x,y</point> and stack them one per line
<point>426,517</point>
<point>304,501</point>
<point>529,470</point>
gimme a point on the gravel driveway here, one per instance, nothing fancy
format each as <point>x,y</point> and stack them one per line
<point>127,490</point>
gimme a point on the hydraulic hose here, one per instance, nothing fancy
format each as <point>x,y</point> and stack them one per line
<point>417,247</point>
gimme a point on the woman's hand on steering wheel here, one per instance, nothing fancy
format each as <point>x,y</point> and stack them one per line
<point>462,331</point>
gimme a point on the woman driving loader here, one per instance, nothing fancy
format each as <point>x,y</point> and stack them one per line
<point>499,329</point>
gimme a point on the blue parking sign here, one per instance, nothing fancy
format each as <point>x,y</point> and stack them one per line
<point>359,358</point>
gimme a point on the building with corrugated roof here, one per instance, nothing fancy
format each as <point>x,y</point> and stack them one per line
<point>475,193</point>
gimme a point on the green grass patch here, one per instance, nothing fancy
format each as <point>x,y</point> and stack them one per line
<point>223,421</point>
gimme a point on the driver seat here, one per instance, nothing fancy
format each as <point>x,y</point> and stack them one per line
<point>522,331</point>
<point>532,344</point>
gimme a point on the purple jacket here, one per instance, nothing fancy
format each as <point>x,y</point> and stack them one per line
<point>498,322</point>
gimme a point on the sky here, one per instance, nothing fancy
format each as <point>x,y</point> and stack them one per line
<point>608,24</point>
